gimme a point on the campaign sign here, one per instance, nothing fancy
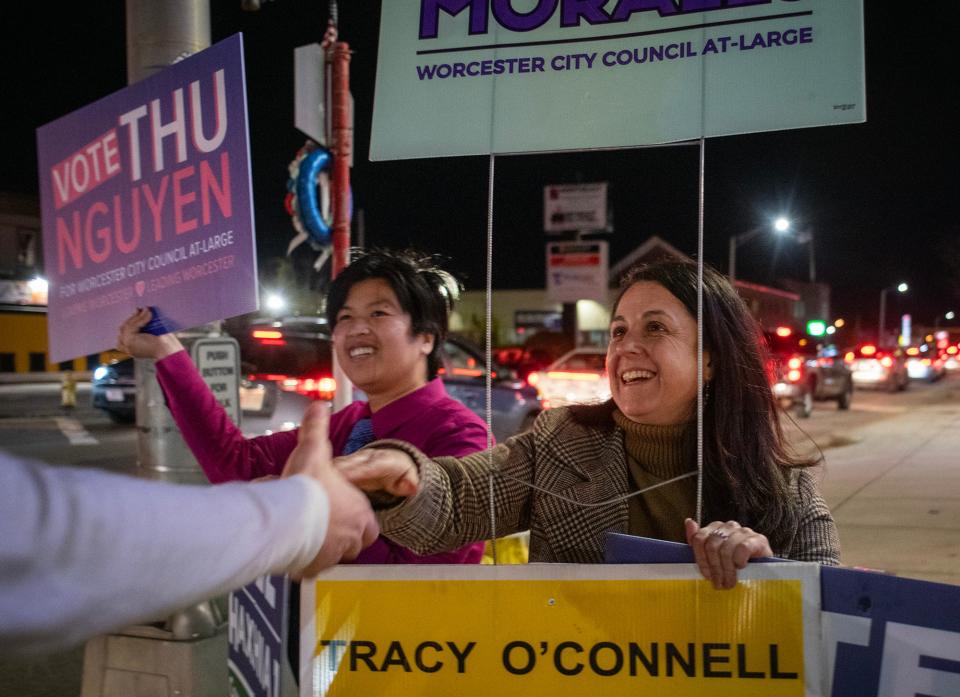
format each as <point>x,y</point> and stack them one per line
<point>472,77</point>
<point>256,633</point>
<point>559,629</point>
<point>883,636</point>
<point>887,636</point>
<point>146,201</point>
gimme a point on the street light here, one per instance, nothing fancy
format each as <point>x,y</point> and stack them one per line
<point>275,303</point>
<point>804,237</point>
<point>780,226</point>
<point>900,288</point>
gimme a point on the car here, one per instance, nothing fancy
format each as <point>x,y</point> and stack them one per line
<point>524,359</point>
<point>295,355</point>
<point>951,359</point>
<point>113,390</point>
<point>514,403</point>
<point>925,363</point>
<point>577,377</point>
<point>266,406</point>
<point>878,367</point>
<point>803,371</point>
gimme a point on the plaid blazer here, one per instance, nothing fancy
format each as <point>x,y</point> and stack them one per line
<point>585,465</point>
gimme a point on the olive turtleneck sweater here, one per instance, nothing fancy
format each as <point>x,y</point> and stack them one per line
<point>655,454</point>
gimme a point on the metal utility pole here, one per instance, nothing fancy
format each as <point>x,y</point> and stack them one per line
<point>187,653</point>
<point>158,34</point>
<point>341,145</point>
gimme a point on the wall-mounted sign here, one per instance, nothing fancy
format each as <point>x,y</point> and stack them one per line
<point>577,271</point>
<point>581,207</point>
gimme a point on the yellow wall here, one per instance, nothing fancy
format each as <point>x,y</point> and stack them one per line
<point>23,333</point>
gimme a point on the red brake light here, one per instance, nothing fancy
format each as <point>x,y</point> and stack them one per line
<point>794,375</point>
<point>267,334</point>
<point>868,349</point>
<point>315,388</point>
<point>569,375</point>
<point>795,363</point>
<point>533,379</point>
<point>886,361</point>
<point>848,357</point>
<point>784,331</point>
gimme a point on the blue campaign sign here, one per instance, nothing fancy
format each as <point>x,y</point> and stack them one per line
<point>892,636</point>
<point>883,636</point>
<point>257,634</point>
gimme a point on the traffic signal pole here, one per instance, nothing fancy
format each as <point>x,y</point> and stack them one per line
<point>341,137</point>
<point>342,142</point>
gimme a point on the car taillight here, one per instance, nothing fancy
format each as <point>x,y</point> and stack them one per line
<point>868,350</point>
<point>533,379</point>
<point>268,337</point>
<point>570,375</point>
<point>886,361</point>
<point>314,388</point>
<point>795,369</point>
<point>849,357</point>
<point>317,388</point>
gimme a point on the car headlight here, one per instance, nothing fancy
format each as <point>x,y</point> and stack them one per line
<point>100,373</point>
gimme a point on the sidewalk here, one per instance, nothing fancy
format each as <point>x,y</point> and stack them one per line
<point>895,494</point>
<point>29,378</point>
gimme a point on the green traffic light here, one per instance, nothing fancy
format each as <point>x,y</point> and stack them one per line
<point>816,327</point>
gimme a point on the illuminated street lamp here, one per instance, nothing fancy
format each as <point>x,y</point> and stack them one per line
<point>950,315</point>
<point>275,303</point>
<point>780,226</point>
<point>900,288</point>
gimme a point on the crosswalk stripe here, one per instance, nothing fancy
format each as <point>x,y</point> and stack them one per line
<point>75,432</point>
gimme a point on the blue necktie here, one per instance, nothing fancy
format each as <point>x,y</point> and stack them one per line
<point>360,435</point>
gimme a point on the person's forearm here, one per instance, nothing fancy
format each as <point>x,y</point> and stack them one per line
<point>451,508</point>
<point>90,551</point>
<point>217,443</point>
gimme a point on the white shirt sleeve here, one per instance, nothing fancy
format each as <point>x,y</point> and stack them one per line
<point>85,551</point>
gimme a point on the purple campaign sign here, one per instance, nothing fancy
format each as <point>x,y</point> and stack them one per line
<point>146,201</point>
<point>256,636</point>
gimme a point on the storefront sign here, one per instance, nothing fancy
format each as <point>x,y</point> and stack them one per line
<point>577,271</point>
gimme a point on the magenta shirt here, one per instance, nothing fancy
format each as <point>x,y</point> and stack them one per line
<point>428,418</point>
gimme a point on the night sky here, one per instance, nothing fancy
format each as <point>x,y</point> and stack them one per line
<point>881,197</point>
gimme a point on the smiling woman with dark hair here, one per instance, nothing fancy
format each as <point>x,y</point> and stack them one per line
<point>387,311</point>
<point>570,479</point>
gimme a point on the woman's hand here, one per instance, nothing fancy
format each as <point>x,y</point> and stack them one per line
<point>721,548</point>
<point>381,469</point>
<point>142,345</point>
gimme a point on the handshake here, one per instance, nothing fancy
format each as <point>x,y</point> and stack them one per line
<point>351,525</point>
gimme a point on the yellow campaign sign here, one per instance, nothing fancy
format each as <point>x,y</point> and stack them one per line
<point>560,630</point>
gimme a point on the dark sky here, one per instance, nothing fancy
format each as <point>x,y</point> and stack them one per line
<point>881,197</point>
